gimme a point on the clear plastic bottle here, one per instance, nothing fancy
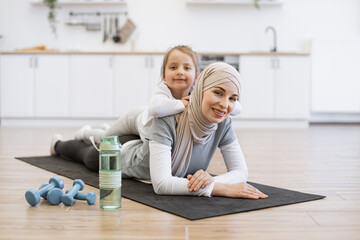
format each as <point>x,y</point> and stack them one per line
<point>110,173</point>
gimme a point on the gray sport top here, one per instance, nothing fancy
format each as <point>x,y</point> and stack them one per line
<point>163,130</point>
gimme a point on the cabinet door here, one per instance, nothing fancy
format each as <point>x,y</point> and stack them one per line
<point>132,85</point>
<point>51,86</point>
<point>17,86</point>
<point>257,91</point>
<point>292,87</point>
<point>335,80</point>
<point>155,71</point>
<point>91,84</point>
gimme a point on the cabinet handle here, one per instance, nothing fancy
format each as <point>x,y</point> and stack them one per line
<point>30,62</point>
<point>146,62</point>
<point>36,61</point>
<point>277,63</point>
<point>151,62</point>
<point>111,62</point>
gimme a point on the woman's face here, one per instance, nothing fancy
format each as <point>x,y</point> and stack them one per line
<point>180,73</point>
<point>219,101</point>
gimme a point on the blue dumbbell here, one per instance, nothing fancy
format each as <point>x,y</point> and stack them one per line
<point>44,194</point>
<point>68,199</point>
<point>54,196</point>
<point>89,197</point>
<point>33,196</point>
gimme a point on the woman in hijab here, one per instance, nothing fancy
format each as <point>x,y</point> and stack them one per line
<point>179,148</point>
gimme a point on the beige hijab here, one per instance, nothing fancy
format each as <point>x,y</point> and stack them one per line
<point>193,126</point>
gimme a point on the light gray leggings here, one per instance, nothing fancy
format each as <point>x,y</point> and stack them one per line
<point>125,125</point>
<point>134,155</point>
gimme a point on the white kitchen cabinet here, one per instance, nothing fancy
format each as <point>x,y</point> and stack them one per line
<point>103,86</point>
<point>34,85</point>
<point>17,85</point>
<point>136,76</point>
<point>92,85</point>
<point>155,74</point>
<point>292,88</point>
<point>51,86</point>
<point>76,85</point>
<point>275,87</point>
<point>257,87</point>
<point>335,85</point>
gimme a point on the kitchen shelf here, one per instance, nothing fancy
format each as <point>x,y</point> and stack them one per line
<point>84,2</point>
<point>236,2</point>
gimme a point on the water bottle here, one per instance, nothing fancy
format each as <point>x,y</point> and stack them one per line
<point>110,173</point>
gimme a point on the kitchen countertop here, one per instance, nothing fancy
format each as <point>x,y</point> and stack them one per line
<point>158,53</point>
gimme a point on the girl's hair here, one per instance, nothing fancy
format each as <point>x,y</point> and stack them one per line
<point>186,50</point>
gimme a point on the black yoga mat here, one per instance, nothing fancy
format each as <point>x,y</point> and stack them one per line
<point>189,207</point>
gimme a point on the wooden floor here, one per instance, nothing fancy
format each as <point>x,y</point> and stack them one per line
<point>324,159</point>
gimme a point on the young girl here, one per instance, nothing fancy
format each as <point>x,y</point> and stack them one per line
<point>179,71</point>
<point>178,148</point>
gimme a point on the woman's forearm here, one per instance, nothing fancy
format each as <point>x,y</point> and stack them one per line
<point>233,176</point>
<point>237,190</point>
<point>220,189</point>
<point>235,164</point>
<point>160,172</point>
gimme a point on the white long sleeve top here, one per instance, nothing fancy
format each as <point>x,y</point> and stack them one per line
<point>164,183</point>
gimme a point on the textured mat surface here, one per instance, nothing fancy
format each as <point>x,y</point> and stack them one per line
<point>189,207</point>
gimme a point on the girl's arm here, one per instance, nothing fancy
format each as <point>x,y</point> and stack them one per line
<point>161,177</point>
<point>162,106</point>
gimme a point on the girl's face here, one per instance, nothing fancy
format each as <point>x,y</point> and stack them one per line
<point>179,74</point>
<point>219,101</point>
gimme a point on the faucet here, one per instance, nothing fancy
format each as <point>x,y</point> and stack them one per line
<point>273,49</point>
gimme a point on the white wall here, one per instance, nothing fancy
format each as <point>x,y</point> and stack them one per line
<point>164,23</point>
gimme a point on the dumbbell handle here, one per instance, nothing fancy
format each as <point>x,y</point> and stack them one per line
<point>89,197</point>
<point>74,190</point>
<point>68,199</point>
<point>46,188</point>
<point>80,196</point>
<point>44,194</point>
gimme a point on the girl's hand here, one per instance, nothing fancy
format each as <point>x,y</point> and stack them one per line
<point>199,180</point>
<point>238,190</point>
<point>185,100</point>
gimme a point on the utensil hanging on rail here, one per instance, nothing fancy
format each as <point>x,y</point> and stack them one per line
<point>105,29</point>
<point>116,37</point>
<point>111,22</point>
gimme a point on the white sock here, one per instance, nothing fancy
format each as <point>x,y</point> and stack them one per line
<point>54,140</point>
<point>97,133</point>
<point>79,135</point>
<point>105,126</point>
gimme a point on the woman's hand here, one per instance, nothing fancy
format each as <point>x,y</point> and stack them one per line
<point>237,190</point>
<point>199,180</point>
<point>185,100</point>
